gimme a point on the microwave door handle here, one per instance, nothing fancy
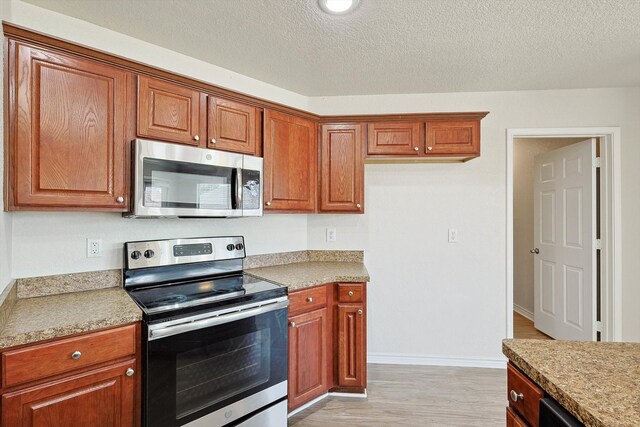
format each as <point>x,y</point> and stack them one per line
<point>234,188</point>
<point>238,190</point>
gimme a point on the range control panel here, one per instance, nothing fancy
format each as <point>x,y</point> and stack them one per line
<point>156,253</point>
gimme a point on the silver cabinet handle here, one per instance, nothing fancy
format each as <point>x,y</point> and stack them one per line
<point>196,138</point>
<point>268,203</point>
<point>429,148</point>
<point>516,396</point>
<point>358,205</point>
<point>534,251</point>
<point>360,311</point>
<point>213,140</point>
<point>309,299</point>
<point>350,293</point>
<point>130,372</point>
<point>76,355</point>
<point>416,148</point>
<point>292,324</point>
<point>119,199</point>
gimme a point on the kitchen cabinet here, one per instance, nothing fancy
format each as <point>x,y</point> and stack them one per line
<point>66,140</point>
<point>290,162</point>
<point>394,138</point>
<point>524,398</point>
<point>234,126</point>
<point>351,338</point>
<point>170,112</point>
<point>453,138</point>
<point>341,168</point>
<point>86,380</point>
<point>513,420</point>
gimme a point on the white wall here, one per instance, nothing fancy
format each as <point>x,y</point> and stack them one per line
<point>524,151</point>
<point>5,218</point>
<point>436,299</point>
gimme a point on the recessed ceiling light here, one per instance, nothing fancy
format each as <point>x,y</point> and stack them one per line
<point>338,7</point>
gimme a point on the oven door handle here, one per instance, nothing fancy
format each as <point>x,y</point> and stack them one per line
<point>157,331</point>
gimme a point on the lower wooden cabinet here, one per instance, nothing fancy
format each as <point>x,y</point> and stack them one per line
<point>87,380</point>
<point>103,397</point>
<point>327,341</point>
<point>524,398</point>
<point>307,357</point>
<point>513,420</point>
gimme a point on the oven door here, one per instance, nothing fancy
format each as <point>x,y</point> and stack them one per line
<point>171,180</point>
<point>216,370</point>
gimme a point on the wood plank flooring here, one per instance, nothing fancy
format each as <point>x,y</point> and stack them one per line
<point>523,328</point>
<point>408,395</point>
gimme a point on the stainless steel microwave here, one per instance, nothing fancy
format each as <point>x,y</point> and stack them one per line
<point>171,180</point>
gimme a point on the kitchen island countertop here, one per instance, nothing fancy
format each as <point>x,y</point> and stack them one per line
<point>598,382</point>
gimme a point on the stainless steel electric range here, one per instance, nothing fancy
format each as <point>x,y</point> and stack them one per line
<point>215,340</point>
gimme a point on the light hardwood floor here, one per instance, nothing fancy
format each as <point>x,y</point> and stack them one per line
<point>407,395</point>
<point>523,328</point>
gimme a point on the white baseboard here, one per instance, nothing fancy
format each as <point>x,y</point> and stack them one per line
<point>306,405</point>
<point>523,311</point>
<point>349,395</point>
<point>415,359</point>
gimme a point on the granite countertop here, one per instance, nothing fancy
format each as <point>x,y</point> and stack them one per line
<point>305,274</point>
<point>598,382</point>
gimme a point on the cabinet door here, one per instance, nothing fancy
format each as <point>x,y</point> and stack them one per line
<point>341,168</point>
<point>67,141</point>
<point>394,138</point>
<point>103,397</point>
<point>307,357</point>
<point>352,357</point>
<point>514,420</point>
<point>453,138</point>
<point>290,162</point>
<point>233,126</point>
<point>170,112</point>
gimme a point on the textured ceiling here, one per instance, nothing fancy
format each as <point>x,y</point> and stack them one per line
<point>391,46</point>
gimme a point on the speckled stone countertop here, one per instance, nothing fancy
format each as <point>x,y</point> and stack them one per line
<point>301,275</point>
<point>598,382</point>
<point>52,315</point>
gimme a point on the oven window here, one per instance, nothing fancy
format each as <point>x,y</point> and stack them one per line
<point>172,184</point>
<point>217,371</point>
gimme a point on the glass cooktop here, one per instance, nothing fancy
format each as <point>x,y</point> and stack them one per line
<point>176,296</point>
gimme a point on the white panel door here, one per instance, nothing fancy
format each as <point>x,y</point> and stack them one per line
<point>564,236</point>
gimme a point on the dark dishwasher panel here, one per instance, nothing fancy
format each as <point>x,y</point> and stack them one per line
<point>554,415</point>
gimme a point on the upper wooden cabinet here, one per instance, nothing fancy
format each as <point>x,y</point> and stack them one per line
<point>170,112</point>
<point>453,138</point>
<point>290,162</point>
<point>234,126</point>
<point>66,137</point>
<point>341,168</point>
<point>394,138</point>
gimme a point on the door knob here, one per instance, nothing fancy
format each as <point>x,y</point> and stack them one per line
<point>534,251</point>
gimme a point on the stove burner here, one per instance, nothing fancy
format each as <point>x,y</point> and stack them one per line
<point>171,299</point>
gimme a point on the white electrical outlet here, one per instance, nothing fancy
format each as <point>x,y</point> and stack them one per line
<point>331,234</point>
<point>94,247</point>
<point>453,235</point>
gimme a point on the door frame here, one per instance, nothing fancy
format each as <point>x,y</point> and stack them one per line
<point>611,219</point>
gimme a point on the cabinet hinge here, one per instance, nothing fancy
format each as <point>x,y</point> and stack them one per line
<point>597,162</point>
<point>598,326</point>
<point>598,244</point>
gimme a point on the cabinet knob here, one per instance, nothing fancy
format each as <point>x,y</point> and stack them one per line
<point>268,203</point>
<point>120,199</point>
<point>213,140</point>
<point>429,148</point>
<point>292,324</point>
<point>516,396</point>
<point>196,138</point>
<point>76,355</point>
<point>130,372</point>
<point>359,311</point>
<point>350,293</point>
<point>416,148</point>
<point>358,205</point>
<point>309,299</point>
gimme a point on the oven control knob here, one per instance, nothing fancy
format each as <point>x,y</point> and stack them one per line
<point>149,253</point>
<point>239,246</point>
<point>230,247</point>
<point>135,255</point>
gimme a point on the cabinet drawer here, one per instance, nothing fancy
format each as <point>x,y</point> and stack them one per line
<point>44,360</point>
<point>307,299</point>
<point>350,292</point>
<point>513,420</point>
<point>527,394</point>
